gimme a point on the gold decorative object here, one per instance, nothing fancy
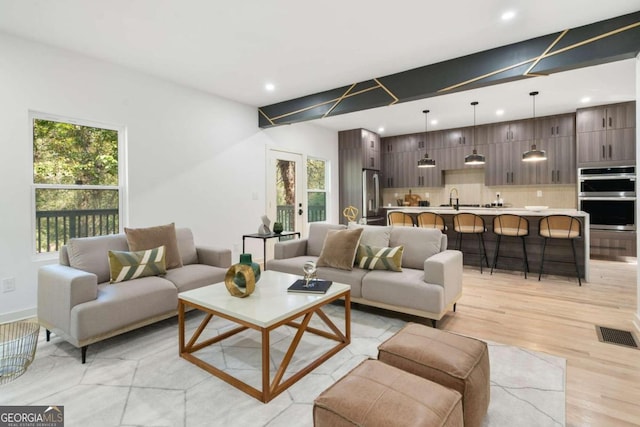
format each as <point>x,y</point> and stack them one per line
<point>350,213</point>
<point>249,279</point>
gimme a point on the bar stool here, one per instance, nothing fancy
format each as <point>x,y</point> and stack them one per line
<point>511,226</point>
<point>560,227</point>
<point>400,218</point>
<point>431,220</point>
<point>468,223</point>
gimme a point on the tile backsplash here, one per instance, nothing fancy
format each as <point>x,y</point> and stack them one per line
<point>471,190</point>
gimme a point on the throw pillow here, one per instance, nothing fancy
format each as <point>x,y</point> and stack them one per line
<point>141,239</point>
<point>374,258</point>
<point>339,249</point>
<point>372,235</point>
<point>131,265</point>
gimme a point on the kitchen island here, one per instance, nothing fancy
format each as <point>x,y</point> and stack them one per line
<point>557,250</point>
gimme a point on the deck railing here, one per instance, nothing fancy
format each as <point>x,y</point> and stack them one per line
<point>55,228</point>
<point>286,215</point>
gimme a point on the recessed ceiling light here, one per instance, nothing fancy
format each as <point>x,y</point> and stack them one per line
<point>434,122</point>
<point>270,87</point>
<point>585,100</point>
<point>380,129</point>
<point>508,15</point>
<point>499,112</point>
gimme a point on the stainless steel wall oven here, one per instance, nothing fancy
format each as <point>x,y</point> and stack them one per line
<point>608,195</point>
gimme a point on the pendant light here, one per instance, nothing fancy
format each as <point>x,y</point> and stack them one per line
<point>474,158</point>
<point>534,155</point>
<point>426,162</point>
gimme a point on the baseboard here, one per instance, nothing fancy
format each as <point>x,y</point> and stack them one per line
<point>18,315</point>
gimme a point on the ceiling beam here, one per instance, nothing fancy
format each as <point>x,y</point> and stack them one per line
<point>598,43</point>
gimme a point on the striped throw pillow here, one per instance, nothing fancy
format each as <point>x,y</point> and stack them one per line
<point>131,265</point>
<point>374,258</point>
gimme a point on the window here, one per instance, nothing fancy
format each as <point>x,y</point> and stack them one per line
<point>316,190</point>
<point>77,180</point>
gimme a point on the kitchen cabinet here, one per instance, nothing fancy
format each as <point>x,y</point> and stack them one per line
<point>400,155</point>
<point>560,166</point>
<point>519,130</point>
<point>555,135</point>
<point>430,177</point>
<point>357,149</point>
<point>610,243</point>
<point>361,144</point>
<point>457,137</point>
<point>606,135</point>
<point>504,164</point>
<point>558,126</point>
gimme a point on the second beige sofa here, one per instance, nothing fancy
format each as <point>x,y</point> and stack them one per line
<point>428,286</point>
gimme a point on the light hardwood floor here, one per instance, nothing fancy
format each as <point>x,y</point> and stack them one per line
<point>556,316</point>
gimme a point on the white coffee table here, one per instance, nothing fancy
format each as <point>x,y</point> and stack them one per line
<point>268,308</point>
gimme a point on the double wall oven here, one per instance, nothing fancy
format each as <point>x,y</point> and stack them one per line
<point>608,195</point>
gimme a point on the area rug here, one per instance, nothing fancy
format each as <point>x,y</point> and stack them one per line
<point>138,379</point>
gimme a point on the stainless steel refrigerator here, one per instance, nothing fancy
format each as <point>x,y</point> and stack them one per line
<point>371,198</point>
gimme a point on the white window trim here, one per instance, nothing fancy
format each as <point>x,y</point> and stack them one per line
<point>326,191</point>
<point>123,199</point>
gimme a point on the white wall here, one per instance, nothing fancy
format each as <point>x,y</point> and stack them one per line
<point>193,159</point>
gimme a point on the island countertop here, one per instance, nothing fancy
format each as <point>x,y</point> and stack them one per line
<point>533,240</point>
<point>443,210</point>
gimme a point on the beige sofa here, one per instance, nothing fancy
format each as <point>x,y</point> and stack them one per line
<point>428,286</point>
<point>77,302</point>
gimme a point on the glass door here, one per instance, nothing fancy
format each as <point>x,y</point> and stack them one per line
<point>285,192</point>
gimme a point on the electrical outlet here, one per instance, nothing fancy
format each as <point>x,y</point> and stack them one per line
<point>539,193</point>
<point>9,285</point>
<point>426,195</point>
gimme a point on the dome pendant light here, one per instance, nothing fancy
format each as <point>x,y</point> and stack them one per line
<point>426,162</point>
<point>474,158</point>
<point>534,155</point>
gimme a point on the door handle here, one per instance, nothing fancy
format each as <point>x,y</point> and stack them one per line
<point>299,211</point>
<point>610,151</point>
<point>603,155</point>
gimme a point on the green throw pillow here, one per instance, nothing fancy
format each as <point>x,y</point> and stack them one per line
<point>374,258</point>
<point>131,265</point>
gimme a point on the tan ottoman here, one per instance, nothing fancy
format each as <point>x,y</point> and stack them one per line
<point>451,360</point>
<point>375,394</point>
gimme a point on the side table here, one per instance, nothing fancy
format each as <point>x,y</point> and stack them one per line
<point>266,237</point>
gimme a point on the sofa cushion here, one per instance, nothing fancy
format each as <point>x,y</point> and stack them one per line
<point>193,276</point>
<point>141,239</point>
<point>339,249</point>
<point>376,258</point>
<point>131,265</point>
<point>186,246</point>
<point>121,304</point>
<point>404,289</point>
<point>419,244</point>
<point>373,235</point>
<point>317,234</point>
<point>90,254</point>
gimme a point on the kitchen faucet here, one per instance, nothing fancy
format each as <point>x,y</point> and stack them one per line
<point>451,199</point>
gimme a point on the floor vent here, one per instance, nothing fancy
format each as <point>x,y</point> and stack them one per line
<point>616,336</point>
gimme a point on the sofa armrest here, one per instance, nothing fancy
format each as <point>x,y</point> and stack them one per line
<point>60,288</point>
<point>445,269</point>
<point>290,249</point>
<point>214,256</point>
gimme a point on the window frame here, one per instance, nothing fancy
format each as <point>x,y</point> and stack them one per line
<point>122,173</point>
<point>326,191</point>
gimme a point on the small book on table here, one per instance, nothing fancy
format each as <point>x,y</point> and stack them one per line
<point>315,286</point>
